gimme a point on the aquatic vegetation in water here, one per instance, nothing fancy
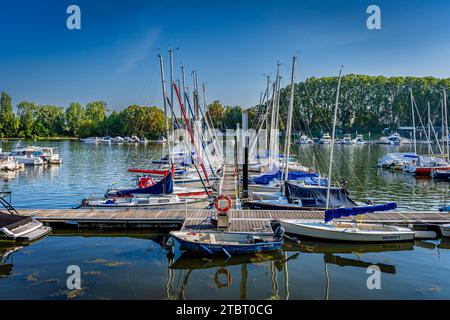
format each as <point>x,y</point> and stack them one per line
<point>108,263</point>
<point>32,277</point>
<point>92,273</point>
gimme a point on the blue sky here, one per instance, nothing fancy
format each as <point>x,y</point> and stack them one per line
<point>231,44</point>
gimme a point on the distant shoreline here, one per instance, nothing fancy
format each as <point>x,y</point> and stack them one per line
<point>39,138</point>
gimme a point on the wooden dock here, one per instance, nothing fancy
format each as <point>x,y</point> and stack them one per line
<point>241,220</point>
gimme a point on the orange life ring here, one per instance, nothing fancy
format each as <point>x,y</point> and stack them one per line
<point>220,209</point>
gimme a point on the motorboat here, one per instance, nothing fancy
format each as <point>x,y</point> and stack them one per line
<point>346,231</point>
<point>347,139</point>
<point>397,160</point>
<point>151,201</point>
<point>427,164</point>
<point>7,163</point>
<point>90,140</point>
<point>395,139</point>
<point>161,140</point>
<point>227,243</point>
<point>49,155</point>
<point>117,140</point>
<point>384,140</point>
<point>326,139</point>
<point>106,140</point>
<point>28,156</point>
<point>304,139</point>
<point>359,139</point>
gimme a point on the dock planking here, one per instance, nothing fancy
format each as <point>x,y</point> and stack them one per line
<point>240,220</point>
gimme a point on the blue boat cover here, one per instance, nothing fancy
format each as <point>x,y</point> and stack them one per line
<point>315,196</point>
<point>345,212</point>
<point>163,186</point>
<point>278,175</point>
<point>314,181</point>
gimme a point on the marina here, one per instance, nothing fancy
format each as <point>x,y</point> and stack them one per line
<point>229,164</point>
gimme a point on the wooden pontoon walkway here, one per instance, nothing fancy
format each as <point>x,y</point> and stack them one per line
<point>241,220</point>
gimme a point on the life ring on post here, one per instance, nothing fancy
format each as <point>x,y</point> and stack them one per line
<point>219,200</point>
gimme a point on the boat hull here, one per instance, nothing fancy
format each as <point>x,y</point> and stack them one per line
<point>218,249</point>
<point>445,230</point>
<point>327,232</point>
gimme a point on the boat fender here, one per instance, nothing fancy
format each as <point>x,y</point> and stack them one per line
<point>229,278</point>
<point>279,232</point>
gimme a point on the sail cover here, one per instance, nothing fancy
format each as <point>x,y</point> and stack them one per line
<point>163,186</point>
<point>315,196</point>
<point>278,175</point>
<point>345,212</point>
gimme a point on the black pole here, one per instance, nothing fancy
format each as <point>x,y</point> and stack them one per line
<point>245,171</point>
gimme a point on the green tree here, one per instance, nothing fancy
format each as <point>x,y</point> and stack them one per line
<point>26,112</point>
<point>96,111</point>
<point>233,116</point>
<point>8,124</point>
<point>74,117</point>
<point>216,114</point>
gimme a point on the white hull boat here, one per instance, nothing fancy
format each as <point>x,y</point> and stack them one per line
<point>155,202</point>
<point>346,231</point>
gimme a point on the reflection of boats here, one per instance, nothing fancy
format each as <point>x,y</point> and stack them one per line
<point>444,244</point>
<point>188,260</point>
<point>5,267</point>
<point>441,174</point>
<point>226,243</point>
<point>348,247</point>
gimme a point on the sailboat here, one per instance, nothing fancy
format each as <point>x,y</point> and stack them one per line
<point>338,205</point>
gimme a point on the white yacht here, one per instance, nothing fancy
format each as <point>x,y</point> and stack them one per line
<point>395,139</point>
<point>359,139</point>
<point>304,139</point>
<point>117,139</point>
<point>28,156</point>
<point>326,139</point>
<point>90,140</point>
<point>347,139</point>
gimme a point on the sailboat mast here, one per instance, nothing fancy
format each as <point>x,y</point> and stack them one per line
<point>289,122</point>
<point>163,83</point>
<point>446,123</point>
<point>429,129</point>
<point>332,138</point>
<point>413,120</point>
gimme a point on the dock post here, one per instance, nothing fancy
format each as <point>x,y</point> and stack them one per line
<point>245,166</point>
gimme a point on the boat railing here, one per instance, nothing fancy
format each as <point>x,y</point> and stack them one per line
<point>7,204</point>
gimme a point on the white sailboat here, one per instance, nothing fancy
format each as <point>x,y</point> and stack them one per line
<point>338,231</point>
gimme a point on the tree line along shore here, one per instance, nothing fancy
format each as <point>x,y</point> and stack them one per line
<point>367,104</point>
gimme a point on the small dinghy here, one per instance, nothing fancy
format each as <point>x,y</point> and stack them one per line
<point>347,231</point>
<point>227,243</point>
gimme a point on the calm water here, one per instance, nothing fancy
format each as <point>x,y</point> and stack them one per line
<point>135,266</point>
